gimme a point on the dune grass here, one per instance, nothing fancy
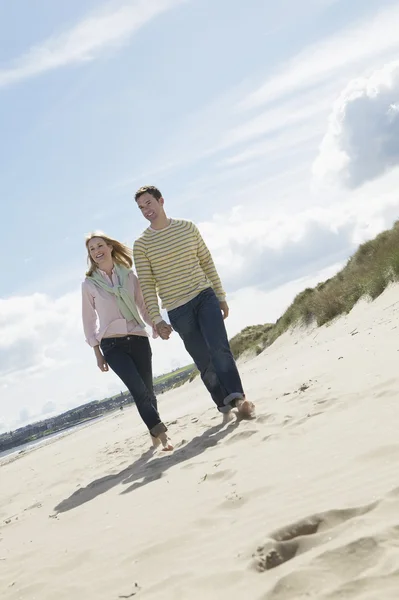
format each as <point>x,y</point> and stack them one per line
<point>253,338</point>
<point>366,275</point>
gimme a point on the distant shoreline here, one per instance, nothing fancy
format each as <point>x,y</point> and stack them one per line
<point>35,433</point>
<point>22,448</point>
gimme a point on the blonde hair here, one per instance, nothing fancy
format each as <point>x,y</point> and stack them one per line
<point>121,254</point>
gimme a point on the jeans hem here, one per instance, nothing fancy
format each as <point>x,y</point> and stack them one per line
<point>224,409</point>
<point>229,400</point>
<point>158,429</point>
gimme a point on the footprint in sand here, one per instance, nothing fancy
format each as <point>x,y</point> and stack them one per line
<point>36,505</point>
<point>364,567</point>
<point>265,418</point>
<point>297,538</point>
<point>242,435</point>
<point>233,500</point>
<point>223,475</point>
<point>192,465</point>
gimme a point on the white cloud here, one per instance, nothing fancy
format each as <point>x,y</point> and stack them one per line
<point>361,142</point>
<point>255,246</point>
<point>298,111</point>
<point>31,327</point>
<point>281,144</point>
<point>49,408</point>
<point>270,251</point>
<point>300,94</point>
<point>368,40</point>
<point>107,28</point>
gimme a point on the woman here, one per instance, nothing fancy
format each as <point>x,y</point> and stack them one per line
<point>112,307</point>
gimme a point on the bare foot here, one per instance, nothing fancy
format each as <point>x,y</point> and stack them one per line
<point>156,442</point>
<point>164,440</point>
<point>227,417</point>
<point>245,409</point>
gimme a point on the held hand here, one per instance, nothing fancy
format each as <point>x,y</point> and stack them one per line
<point>224,307</point>
<point>164,330</point>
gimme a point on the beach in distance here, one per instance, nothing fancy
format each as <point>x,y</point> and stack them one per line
<point>300,503</point>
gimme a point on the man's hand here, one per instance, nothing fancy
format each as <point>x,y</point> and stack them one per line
<point>224,307</point>
<point>164,330</point>
<point>101,362</point>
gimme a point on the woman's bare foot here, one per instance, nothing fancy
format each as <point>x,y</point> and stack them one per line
<point>165,441</point>
<point>156,442</point>
<point>245,409</point>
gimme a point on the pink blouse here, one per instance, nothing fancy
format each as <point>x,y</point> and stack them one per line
<point>101,315</point>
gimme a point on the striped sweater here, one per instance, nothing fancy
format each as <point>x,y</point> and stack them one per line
<point>176,264</point>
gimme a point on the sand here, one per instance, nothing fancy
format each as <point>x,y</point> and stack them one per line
<point>302,502</point>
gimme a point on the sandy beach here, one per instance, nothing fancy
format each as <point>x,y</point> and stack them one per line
<point>311,483</point>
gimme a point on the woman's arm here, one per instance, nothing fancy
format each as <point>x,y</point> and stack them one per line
<point>89,319</point>
<point>89,316</point>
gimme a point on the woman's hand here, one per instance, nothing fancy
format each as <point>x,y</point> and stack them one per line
<point>101,362</point>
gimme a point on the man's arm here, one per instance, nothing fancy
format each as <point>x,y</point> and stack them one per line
<point>149,291</point>
<point>208,266</point>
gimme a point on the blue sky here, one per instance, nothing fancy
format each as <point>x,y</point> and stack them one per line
<point>273,127</point>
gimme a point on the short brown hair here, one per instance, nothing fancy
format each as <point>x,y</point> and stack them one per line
<point>150,189</point>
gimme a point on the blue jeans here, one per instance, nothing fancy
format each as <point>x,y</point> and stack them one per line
<point>200,325</point>
<point>130,357</point>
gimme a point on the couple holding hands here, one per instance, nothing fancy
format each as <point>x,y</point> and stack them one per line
<point>173,262</point>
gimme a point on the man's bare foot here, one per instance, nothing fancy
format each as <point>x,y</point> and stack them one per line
<point>165,441</point>
<point>227,417</point>
<point>245,409</point>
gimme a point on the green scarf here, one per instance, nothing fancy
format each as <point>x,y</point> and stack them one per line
<point>126,303</point>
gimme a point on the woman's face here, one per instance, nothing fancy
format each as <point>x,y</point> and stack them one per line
<point>99,251</point>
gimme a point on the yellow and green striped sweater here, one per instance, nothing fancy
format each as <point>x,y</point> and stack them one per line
<point>174,263</point>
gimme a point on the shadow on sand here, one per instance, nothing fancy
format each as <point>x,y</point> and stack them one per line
<point>142,472</point>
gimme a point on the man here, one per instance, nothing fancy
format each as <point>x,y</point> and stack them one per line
<point>172,260</point>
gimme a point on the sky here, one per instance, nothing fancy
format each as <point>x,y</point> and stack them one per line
<point>273,126</point>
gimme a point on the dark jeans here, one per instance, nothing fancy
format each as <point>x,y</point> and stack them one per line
<point>130,358</point>
<point>201,326</point>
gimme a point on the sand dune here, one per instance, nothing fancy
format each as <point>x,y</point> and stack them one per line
<point>302,502</point>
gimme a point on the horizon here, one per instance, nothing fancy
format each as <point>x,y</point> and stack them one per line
<point>282,148</point>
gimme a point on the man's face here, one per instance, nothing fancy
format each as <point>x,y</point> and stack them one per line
<point>149,206</point>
